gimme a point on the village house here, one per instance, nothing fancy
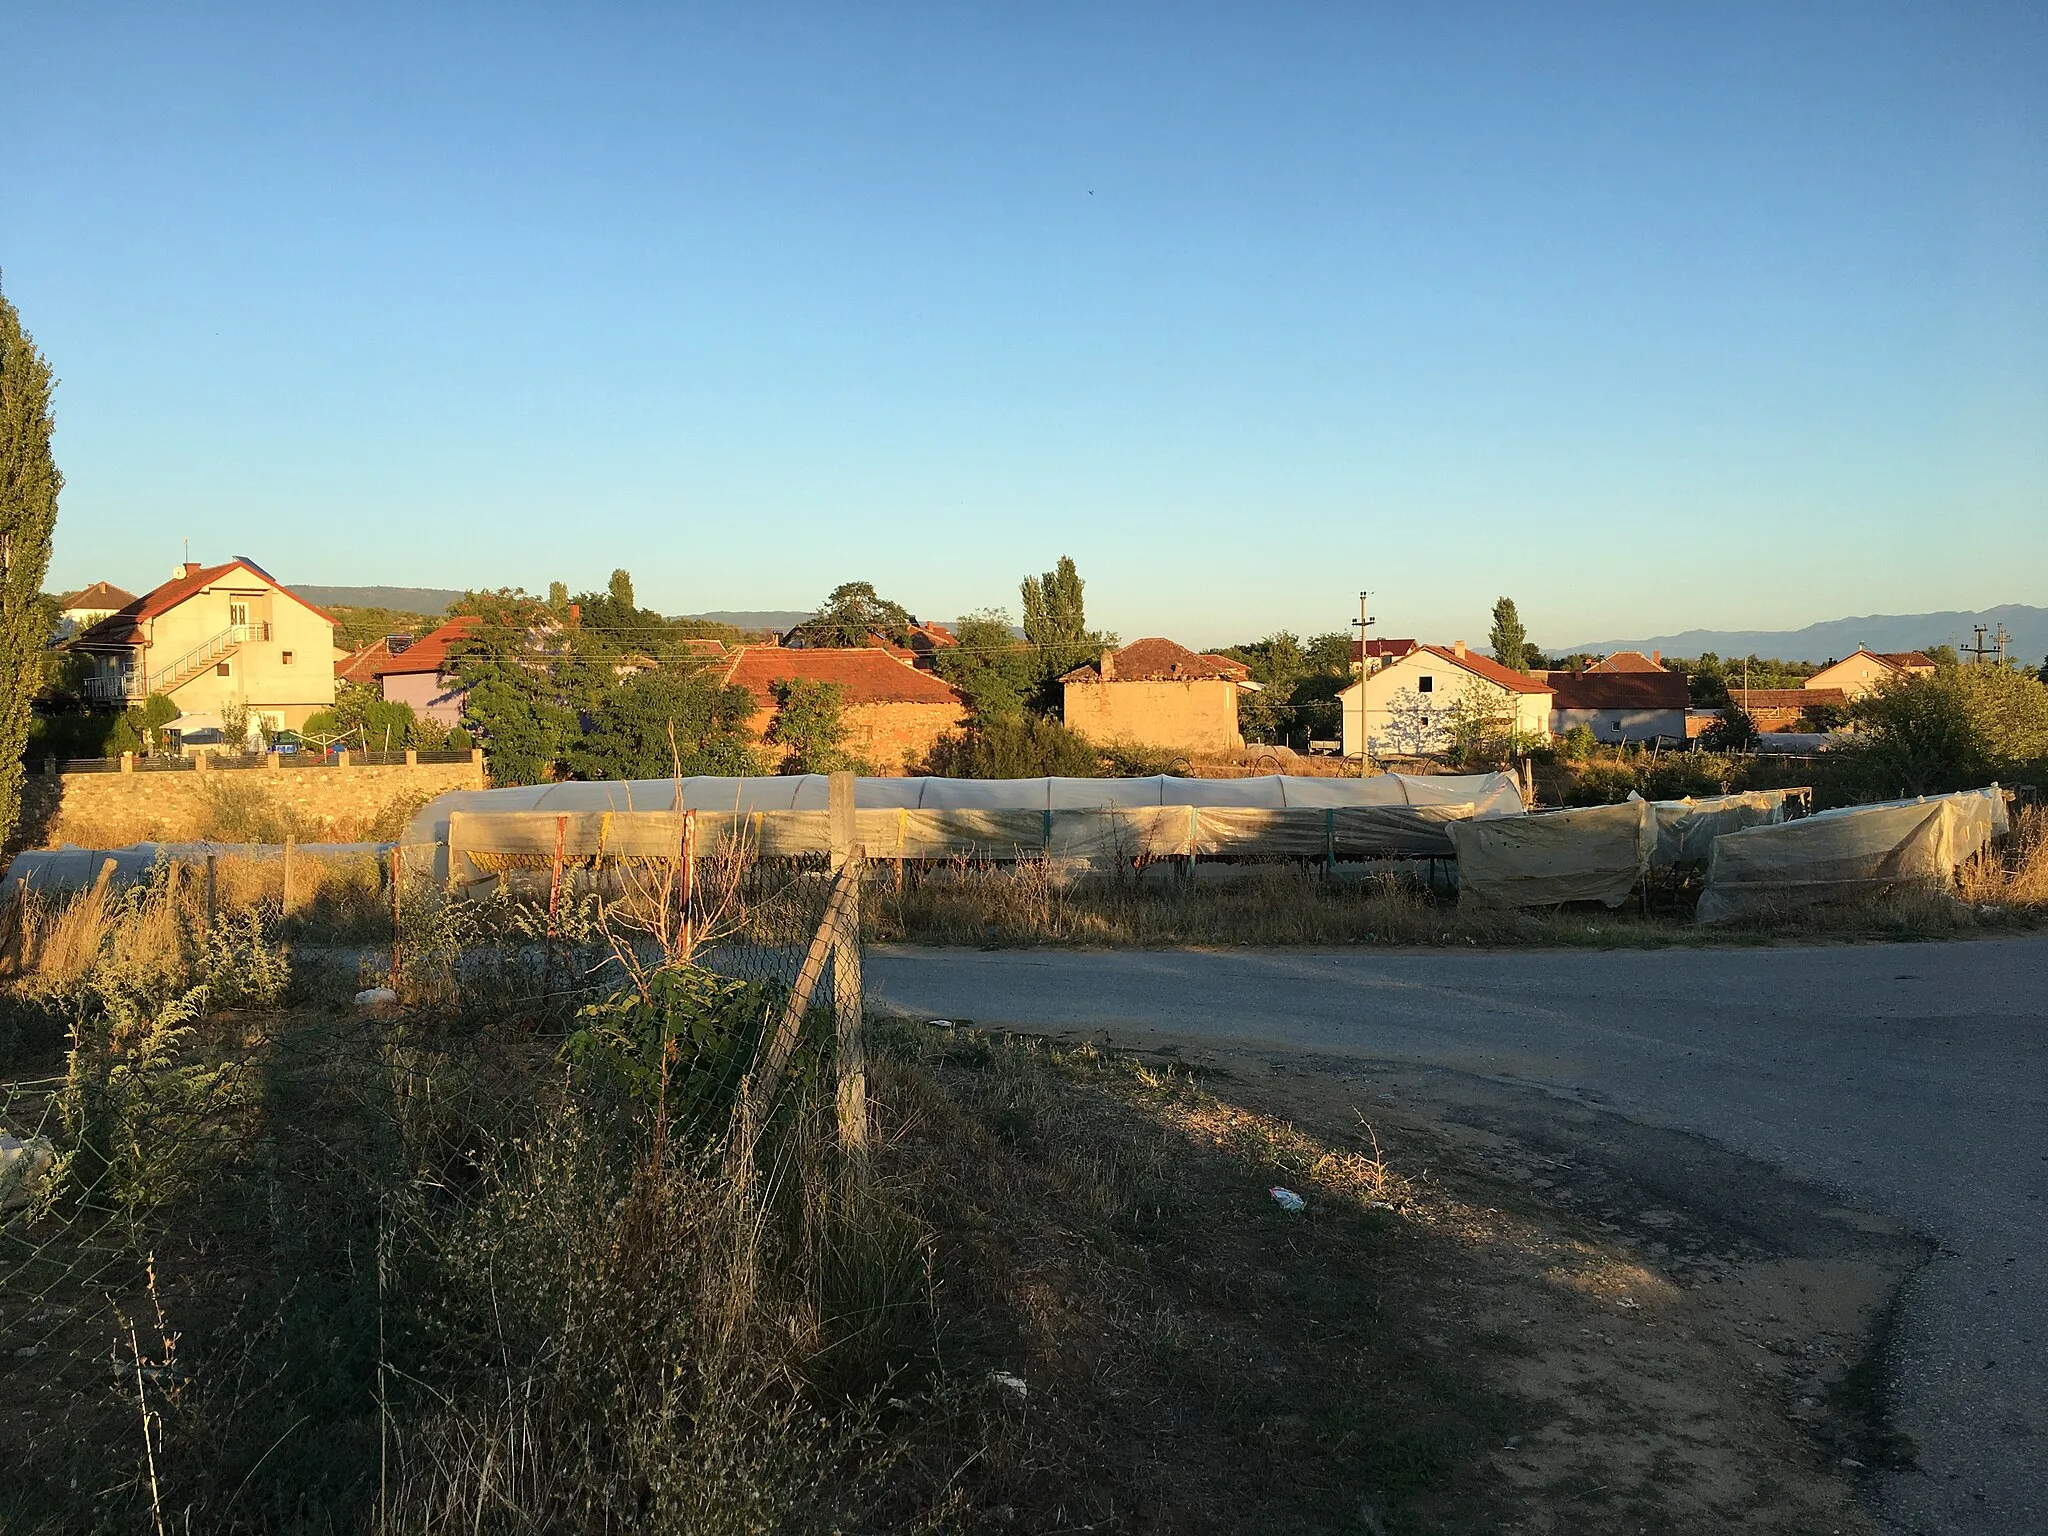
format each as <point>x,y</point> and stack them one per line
<point>1407,705</point>
<point>894,712</point>
<point>1154,693</point>
<point>1866,671</point>
<point>418,672</point>
<point>1626,697</point>
<point>211,637</point>
<point>82,610</point>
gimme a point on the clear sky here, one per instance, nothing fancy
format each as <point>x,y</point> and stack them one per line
<point>1651,321</point>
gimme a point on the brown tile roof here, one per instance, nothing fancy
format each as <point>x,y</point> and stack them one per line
<point>1905,660</point>
<point>1157,660</point>
<point>1380,650</point>
<point>1626,661</point>
<point>1754,699</point>
<point>125,627</point>
<point>704,647</point>
<point>1657,689</point>
<point>101,594</point>
<point>866,674</point>
<point>1488,668</point>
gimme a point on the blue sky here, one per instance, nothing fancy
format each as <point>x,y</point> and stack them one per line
<point>1734,320</point>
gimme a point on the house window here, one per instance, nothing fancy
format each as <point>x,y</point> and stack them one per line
<point>238,615</point>
<point>1425,685</point>
<point>287,658</point>
<point>221,670</point>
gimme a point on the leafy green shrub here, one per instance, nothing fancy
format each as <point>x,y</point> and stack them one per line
<point>1021,746</point>
<point>1578,744</point>
<point>683,1041</point>
<point>1606,783</point>
<point>1735,731</point>
<point>1680,774</point>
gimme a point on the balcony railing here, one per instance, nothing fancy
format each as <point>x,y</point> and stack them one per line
<point>136,683</point>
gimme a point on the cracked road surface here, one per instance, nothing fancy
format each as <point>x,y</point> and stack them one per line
<point>1908,1079</point>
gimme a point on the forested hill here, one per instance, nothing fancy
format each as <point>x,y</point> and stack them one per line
<point>431,601</point>
<point>1836,638</point>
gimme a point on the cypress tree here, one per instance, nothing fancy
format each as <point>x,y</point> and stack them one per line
<point>29,483</point>
<point>1509,640</point>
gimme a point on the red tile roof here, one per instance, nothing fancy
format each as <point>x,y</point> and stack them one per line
<point>1488,668</point>
<point>429,653</point>
<point>125,627</point>
<point>866,674</point>
<point>704,647</point>
<point>1626,661</point>
<point>1591,689</point>
<point>1906,660</point>
<point>363,666</point>
<point>1156,660</point>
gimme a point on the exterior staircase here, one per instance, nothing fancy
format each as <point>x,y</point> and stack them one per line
<point>208,653</point>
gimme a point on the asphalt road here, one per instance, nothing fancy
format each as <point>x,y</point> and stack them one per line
<point>1907,1079</point>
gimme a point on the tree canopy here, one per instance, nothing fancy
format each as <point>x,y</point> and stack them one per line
<point>29,483</point>
<point>1508,639</point>
<point>852,614</point>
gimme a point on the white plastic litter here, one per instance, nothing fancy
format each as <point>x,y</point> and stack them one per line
<point>1010,1383</point>
<point>1287,1199</point>
<point>375,997</point>
<point>23,1167</point>
<point>941,1023</point>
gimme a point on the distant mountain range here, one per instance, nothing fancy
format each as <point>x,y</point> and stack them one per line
<point>430,601</point>
<point>1837,638</point>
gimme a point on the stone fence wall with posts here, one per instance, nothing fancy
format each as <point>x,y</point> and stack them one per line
<point>115,803</point>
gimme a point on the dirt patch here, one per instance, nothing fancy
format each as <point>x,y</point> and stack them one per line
<point>1467,1330</point>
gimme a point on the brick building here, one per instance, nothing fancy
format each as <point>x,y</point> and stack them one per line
<point>893,711</point>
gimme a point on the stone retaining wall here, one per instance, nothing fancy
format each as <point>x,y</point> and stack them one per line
<point>329,803</point>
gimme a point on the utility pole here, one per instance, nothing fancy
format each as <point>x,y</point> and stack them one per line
<point>1363,622</point>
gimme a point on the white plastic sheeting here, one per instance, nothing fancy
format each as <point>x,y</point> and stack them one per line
<point>1686,828</point>
<point>74,869</point>
<point>1488,794</point>
<point>483,844</point>
<point>1847,854</point>
<point>1594,853</point>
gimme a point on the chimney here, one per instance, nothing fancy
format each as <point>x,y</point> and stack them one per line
<point>575,615</point>
<point>1657,658</point>
<point>183,569</point>
<point>1458,649</point>
<point>1108,664</point>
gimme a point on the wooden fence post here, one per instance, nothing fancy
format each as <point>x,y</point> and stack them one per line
<point>547,984</point>
<point>285,897</point>
<point>839,790</point>
<point>397,910</point>
<point>212,891</point>
<point>689,890</point>
<point>851,1059</point>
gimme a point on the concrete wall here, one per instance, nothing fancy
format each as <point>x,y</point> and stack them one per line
<point>894,738</point>
<point>432,696</point>
<point>109,810</point>
<point>1622,724</point>
<point>1195,716</point>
